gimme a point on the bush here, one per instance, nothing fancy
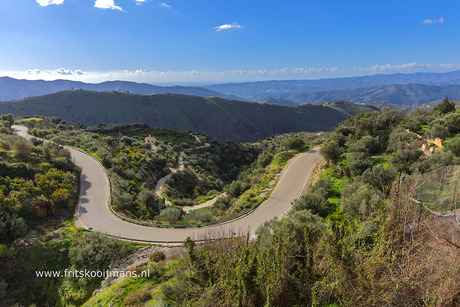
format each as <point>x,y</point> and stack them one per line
<point>97,251</point>
<point>170,214</point>
<point>359,200</point>
<point>236,188</point>
<point>183,202</point>
<point>438,131</point>
<point>3,251</point>
<point>158,256</point>
<point>63,164</point>
<point>400,139</point>
<point>22,149</point>
<point>149,199</point>
<point>379,177</point>
<point>123,200</point>
<point>203,215</point>
<point>17,227</point>
<point>294,144</point>
<point>452,122</point>
<point>315,202</point>
<point>264,159</point>
<point>330,150</point>
<point>358,162</point>
<point>223,202</point>
<point>404,158</point>
<point>454,146</point>
<point>434,161</point>
<point>137,298</point>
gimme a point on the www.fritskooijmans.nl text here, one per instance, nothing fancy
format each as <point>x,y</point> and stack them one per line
<point>91,274</point>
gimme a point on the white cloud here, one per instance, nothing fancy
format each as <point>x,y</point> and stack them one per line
<point>139,2</point>
<point>228,26</point>
<point>107,4</point>
<point>237,75</point>
<point>431,21</point>
<point>48,2</point>
<point>162,4</point>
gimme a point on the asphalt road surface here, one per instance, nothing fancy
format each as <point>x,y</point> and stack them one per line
<point>93,211</point>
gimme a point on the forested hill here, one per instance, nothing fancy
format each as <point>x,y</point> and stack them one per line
<point>220,118</point>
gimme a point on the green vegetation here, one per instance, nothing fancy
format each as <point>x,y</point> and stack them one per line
<point>354,239</point>
<point>37,181</point>
<point>62,250</point>
<point>445,107</point>
<point>220,118</point>
<point>39,187</point>
<point>205,166</point>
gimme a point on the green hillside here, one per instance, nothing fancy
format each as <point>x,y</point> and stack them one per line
<point>220,118</point>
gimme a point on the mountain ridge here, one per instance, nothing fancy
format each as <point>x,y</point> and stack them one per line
<point>13,89</point>
<point>401,94</point>
<point>259,90</point>
<point>220,118</point>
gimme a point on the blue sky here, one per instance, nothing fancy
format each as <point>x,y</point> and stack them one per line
<point>183,41</point>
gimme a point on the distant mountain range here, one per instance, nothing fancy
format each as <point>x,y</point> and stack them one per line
<point>222,119</point>
<point>402,94</point>
<point>405,89</point>
<point>11,89</point>
<point>258,91</point>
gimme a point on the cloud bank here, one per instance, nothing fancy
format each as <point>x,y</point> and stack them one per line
<point>238,75</point>
<point>107,4</point>
<point>228,26</point>
<point>48,2</point>
<point>431,21</point>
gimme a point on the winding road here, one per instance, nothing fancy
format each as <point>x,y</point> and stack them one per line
<point>93,211</point>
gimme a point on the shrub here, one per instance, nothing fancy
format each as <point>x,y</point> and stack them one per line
<point>158,256</point>
<point>439,131</point>
<point>359,200</point>
<point>183,202</point>
<point>149,199</point>
<point>3,251</point>
<point>63,164</point>
<point>404,158</point>
<point>379,177</point>
<point>223,202</point>
<point>170,214</point>
<point>18,227</point>
<point>123,200</point>
<point>264,159</point>
<point>203,215</point>
<point>294,144</point>
<point>137,298</point>
<point>358,162</point>
<point>330,150</point>
<point>97,251</point>
<point>454,146</point>
<point>22,149</point>
<point>236,188</point>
